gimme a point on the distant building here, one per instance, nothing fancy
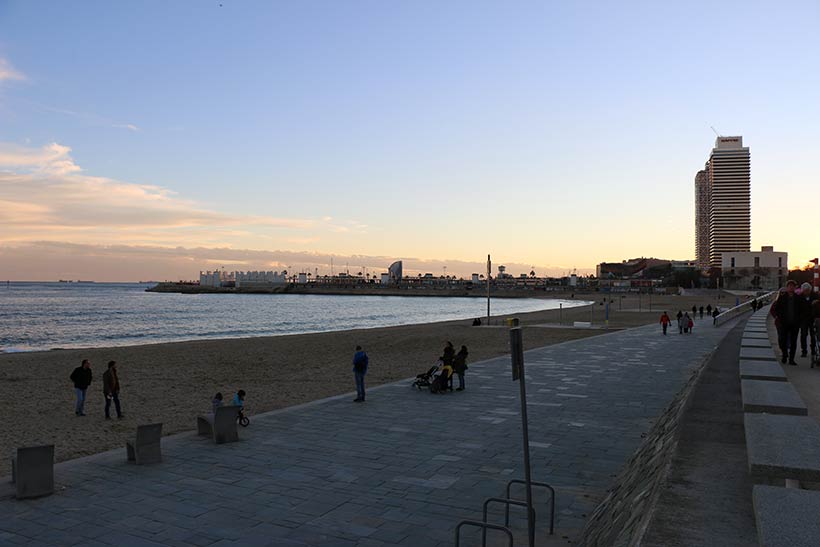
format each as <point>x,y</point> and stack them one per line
<point>395,272</point>
<point>729,186</point>
<point>216,278</point>
<point>702,203</point>
<point>634,267</point>
<point>248,280</point>
<point>766,269</point>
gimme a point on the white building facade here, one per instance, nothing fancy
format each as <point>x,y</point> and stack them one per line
<point>766,269</point>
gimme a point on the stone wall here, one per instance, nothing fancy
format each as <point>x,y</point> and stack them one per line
<point>623,515</point>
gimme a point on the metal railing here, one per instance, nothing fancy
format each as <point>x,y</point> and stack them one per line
<point>736,311</point>
<point>484,526</point>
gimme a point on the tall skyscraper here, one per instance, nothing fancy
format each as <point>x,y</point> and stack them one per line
<point>728,194</point>
<point>702,202</point>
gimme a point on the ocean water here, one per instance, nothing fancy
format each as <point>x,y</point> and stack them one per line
<point>40,316</point>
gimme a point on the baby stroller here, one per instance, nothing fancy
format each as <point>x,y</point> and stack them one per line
<point>425,379</point>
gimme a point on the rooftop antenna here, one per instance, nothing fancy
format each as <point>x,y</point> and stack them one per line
<point>715,131</point>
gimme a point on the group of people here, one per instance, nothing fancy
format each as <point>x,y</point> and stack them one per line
<point>796,313</point>
<point>82,377</point>
<point>238,400</point>
<point>686,322</point>
<point>450,363</point>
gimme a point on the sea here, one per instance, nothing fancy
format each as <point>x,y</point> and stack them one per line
<point>44,316</point>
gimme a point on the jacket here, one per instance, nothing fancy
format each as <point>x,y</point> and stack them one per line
<point>799,309</point>
<point>460,362</point>
<point>360,362</point>
<point>81,377</point>
<point>111,384</point>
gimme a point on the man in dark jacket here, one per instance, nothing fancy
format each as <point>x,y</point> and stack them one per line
<point>111,390</point>
<point>789,312</point>
<point>807,324</point>
<point>82,379</point>
<point>360,362</point>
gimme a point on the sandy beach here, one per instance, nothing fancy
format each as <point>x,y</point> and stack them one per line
<point>173,382</point>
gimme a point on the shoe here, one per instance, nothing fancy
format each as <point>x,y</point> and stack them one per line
<point>459,389</point>
<point>357,400</point>
<point>792,363</point>
<point>783,360</point>
<point>81,414</point>
<point>108,417</point>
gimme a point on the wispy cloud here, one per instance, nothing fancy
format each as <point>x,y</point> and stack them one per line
<point>129,126</point>
<point>8,72</point>
<point>45,195</point>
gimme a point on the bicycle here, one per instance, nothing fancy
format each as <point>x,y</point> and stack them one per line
<point>242,420</point>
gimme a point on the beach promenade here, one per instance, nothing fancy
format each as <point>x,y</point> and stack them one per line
<point>402,469</point>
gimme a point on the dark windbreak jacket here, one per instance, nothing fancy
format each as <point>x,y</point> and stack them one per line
<point>81,377</point>
<point>799,310</point>
<point>460,363</point>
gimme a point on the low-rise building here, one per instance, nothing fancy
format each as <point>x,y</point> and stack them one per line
<point>766,269</point>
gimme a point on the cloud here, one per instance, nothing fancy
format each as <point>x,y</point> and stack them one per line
<point>129,126</point>
<point>9,73</point>
<point>49,260</point>
<point>45,195</point>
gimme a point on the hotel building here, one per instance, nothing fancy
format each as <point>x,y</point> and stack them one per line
<point>727,185</point>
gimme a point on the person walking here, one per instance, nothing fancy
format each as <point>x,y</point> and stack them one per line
<point>111,390</point>
<point>680,322</point>
<point>686,321</point>
<point>460,366</point>
<point>807,322</point>
<point>665,322</point>
<point>694,310</point>
<point>360,362</point>
<point>709,310</point>
<point>701,312</point>
<point>715,314</point>
<point>789,311</point>
<point>81,376</point>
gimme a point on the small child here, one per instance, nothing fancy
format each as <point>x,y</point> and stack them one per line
<point>216,402</point>
<point>442,381</point>
<point>239,400</point>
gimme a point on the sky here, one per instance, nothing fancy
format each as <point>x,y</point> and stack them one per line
<point>151,140</point>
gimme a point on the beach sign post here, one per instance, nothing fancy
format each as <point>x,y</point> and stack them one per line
<point>517,353</point>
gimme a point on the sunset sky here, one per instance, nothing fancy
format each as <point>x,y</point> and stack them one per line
<point>150,140</point>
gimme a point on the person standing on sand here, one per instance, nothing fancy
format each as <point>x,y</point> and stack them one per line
<point>665,322</point>
<point>111,390</point>
<point>460,366</point>
<point>82,379</point>
<point>360,362</point>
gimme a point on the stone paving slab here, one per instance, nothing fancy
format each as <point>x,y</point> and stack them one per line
<point>756,330</point>
<point>755,343</point>
<point>763,354</point>
<point>401,469</point>
<point>771,397</point>
<point>783,447</point>
<point>756,335</point>
<point>786,517</point>
<point>762,370</point>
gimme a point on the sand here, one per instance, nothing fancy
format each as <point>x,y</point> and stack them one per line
<point>173,382</point>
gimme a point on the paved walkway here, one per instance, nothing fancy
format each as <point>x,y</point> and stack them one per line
<point>401,469</point>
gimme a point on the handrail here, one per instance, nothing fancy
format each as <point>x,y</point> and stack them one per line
<point>484,526</point>
<point>551,502</point>
<point>731,313</point>
<point>507,502</point>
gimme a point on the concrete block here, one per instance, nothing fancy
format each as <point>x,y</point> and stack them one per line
<point>33,471</point>
<point>771,397</point>
<point>763,354</point>
<point>755,343</point>
<point>786,517</point>
<point>756,335</point>
<point>762,370</point>
<point>221,425</point>
<point>146,447</point>
<point>783,447</point>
